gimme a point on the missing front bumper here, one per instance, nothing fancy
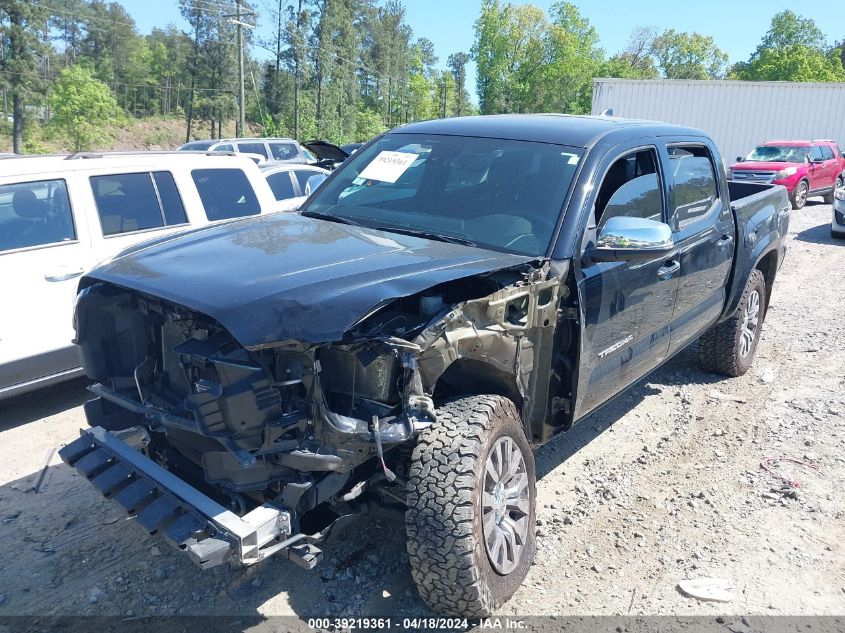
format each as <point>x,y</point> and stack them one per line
<point>162,503</point>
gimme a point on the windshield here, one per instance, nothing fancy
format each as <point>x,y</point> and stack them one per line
<point>499,194</point>
<point>779,153</point>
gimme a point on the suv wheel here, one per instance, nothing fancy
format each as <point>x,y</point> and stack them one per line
<point>828,198</point>
<point>470,517</point>
<point>799,195</point>
<point>729,347</point>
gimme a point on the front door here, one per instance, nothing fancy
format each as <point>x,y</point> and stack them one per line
<point>627,306</point>
<point>44,249</point>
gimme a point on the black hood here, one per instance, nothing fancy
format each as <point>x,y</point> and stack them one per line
<point>324,150</point>
<point>284,276</point>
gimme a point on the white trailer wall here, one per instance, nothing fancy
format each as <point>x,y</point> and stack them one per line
<point>737,114</point>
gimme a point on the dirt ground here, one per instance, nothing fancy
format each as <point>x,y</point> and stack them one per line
<point>662,485</point>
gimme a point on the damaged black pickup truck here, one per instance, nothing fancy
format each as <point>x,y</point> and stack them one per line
<point>455,294</point>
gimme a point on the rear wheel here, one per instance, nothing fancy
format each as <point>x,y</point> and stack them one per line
<point>729,347</point>
<point>470,517</point>
<point>828,198</point>
<point>837,235</point>
<point>799,195</point>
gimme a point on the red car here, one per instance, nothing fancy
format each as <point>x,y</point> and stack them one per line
<point>805,168</point>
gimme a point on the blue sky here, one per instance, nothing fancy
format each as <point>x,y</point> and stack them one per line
<point>736,25</point>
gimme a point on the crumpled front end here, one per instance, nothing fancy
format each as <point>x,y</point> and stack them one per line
<point>301,429</point>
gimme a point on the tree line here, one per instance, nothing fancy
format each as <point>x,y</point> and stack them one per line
<point>342,70</point>
<point>532,61</point>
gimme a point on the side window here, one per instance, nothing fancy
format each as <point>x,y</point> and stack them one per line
<point>816,153</point>
<point>253,148</point>
<point>226,147</point>
<point>137,202</point>
<point>225,193</point>
<point>827,153</point>
<point>282,185</point>
<point>302,176</point>
<point>694,187</point>
<point>35,214</point>
<point>283,151</point>
<point>631,187</point>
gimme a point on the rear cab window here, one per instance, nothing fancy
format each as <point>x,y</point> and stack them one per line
<point>694,185</point>
<point>132,202</point>
<point>225,193</point>
<point>34,214</point>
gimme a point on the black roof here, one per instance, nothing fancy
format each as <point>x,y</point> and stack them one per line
<point>563,129</point>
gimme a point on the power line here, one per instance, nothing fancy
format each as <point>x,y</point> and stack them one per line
<point>85,16</point>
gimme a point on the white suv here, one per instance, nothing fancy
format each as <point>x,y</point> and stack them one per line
<point>60,215</point>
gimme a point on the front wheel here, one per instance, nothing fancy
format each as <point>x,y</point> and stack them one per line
<point>799,195</point>
<point>728,348</point>
<point>470,517</point>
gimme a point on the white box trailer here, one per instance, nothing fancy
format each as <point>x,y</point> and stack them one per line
<point>737,114</point>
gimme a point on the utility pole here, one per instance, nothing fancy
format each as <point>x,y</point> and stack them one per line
<point>235,19</point>
<point>241,116</point>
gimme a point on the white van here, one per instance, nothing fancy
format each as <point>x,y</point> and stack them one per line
<point>60,215</point>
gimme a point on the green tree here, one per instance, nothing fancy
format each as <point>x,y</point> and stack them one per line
<point>23,52</point>
<point>790,29</point>
<point>793,49</point>
<point>82,106</point>
<point>682,55</point>
<point>792,63</point>
<point>635,61</point>
<point>458,67</point>
<point>509,51</point>
<point>574,59</point>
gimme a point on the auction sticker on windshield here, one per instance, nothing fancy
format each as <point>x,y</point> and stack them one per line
<point>388,166</point>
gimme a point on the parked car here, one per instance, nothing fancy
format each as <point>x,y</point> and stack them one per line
<point>292,184</point>
<point>837,227</point>
<point>458,292</point>
<point>59,215</point>
<point>805,168</point>
<point>274,150</point>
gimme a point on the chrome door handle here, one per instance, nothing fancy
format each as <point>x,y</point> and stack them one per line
<point>669,269</point>
<point>64,276</point>
<point>723,243</point>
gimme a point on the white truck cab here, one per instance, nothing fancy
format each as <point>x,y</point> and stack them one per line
<point>60,215</point>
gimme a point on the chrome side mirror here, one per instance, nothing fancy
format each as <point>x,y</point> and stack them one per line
<point>624,238</point>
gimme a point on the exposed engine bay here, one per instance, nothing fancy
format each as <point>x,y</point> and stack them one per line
<point>313,430</point>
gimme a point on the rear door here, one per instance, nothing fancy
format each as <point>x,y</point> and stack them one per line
<point>133,206</point>
<point>627,306</point>
<point>703,231</point>
<point>44,248</point>
<point>831,166</point>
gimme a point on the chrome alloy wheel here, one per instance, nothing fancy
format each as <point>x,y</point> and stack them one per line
<point>750,321</point>
<point>801,194</point>
<point>505,505</point>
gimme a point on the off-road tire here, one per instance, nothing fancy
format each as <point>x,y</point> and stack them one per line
<point>798,202</point>
<point>718,349</point>
<point>837,235</point>
<point>448,557</point>
<point>828,197</point>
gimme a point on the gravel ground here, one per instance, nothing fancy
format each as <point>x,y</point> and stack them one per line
<point>662,485</point>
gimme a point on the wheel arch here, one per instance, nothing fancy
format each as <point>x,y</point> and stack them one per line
<point>768,265</point>
<point>472,377</point>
